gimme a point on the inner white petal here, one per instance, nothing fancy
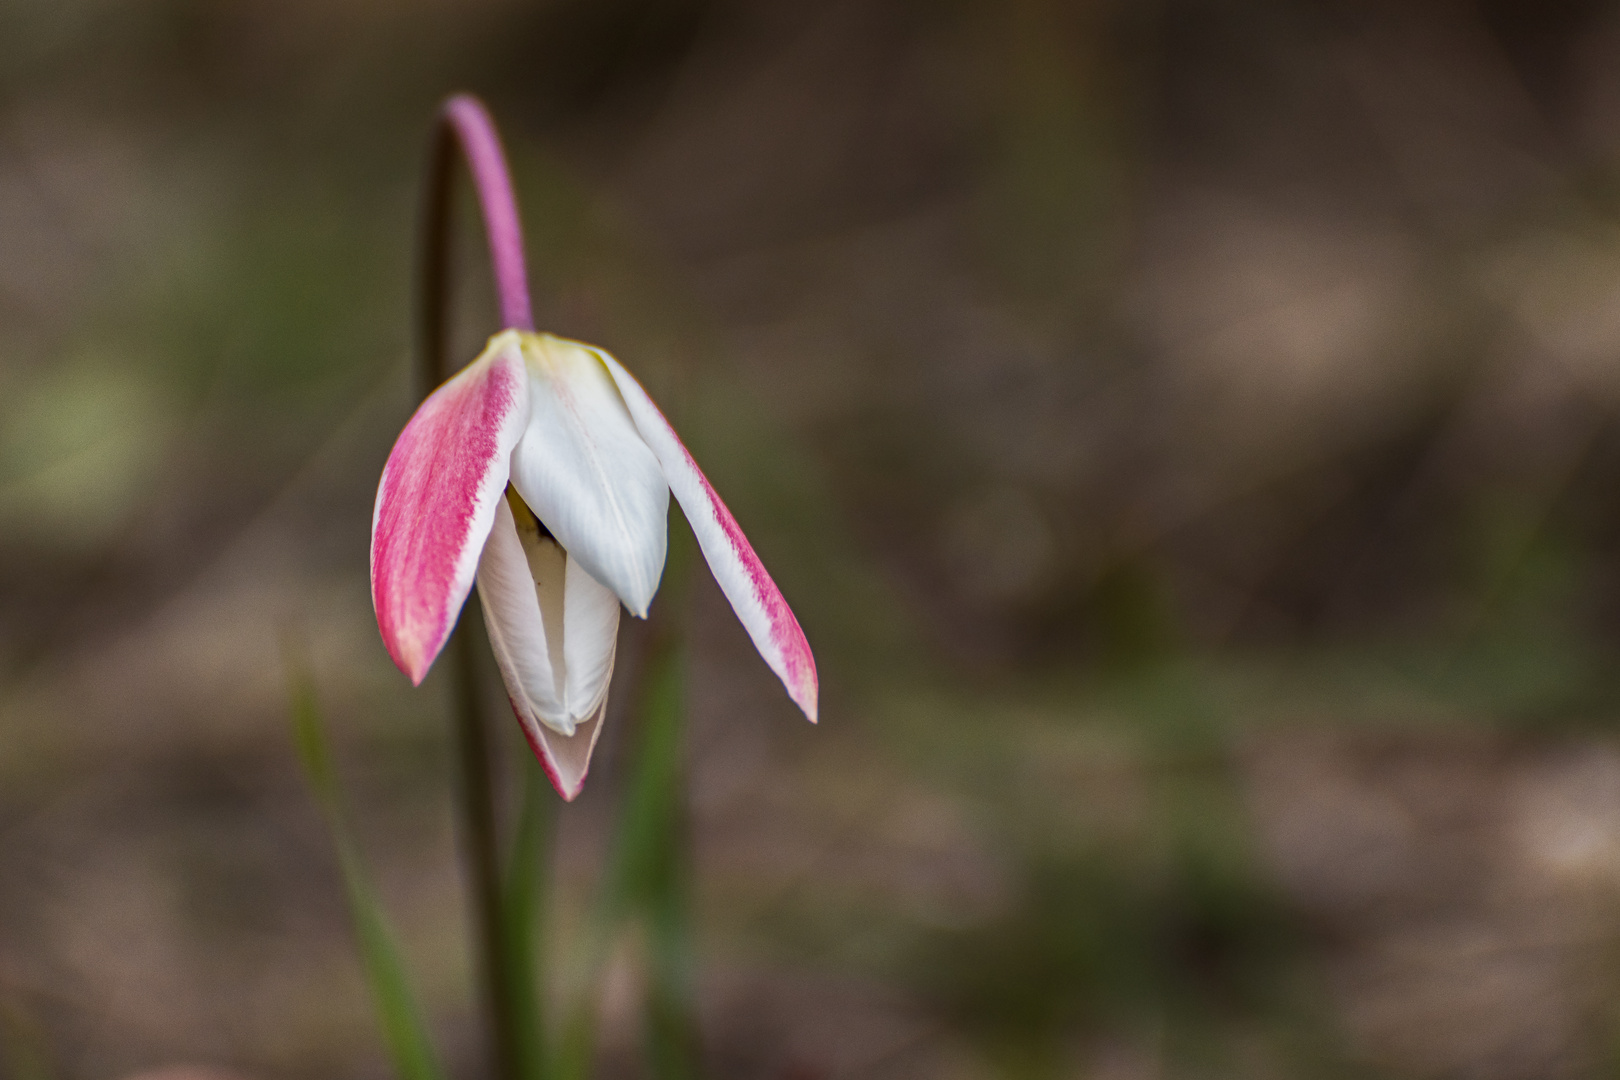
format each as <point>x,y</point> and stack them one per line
<point>590,637</point>
<point>518,633</point>
<point>564,658</point>
<point>548,567</point>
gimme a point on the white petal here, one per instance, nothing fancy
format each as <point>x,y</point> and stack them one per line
<point>590,635</point>
<point>584,468</point>
<point>738,571</point>
<point>525,631</point>
<point>568,757</point>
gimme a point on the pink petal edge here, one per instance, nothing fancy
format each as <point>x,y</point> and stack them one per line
<point>436,502</point>
<point>742,577</point>
<point>568,777</point>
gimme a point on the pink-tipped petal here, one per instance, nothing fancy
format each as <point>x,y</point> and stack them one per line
<point>567,758</point>
<point>741,576</point>
<point>437,501</point>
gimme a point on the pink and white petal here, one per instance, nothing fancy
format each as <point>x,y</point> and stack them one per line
<point>567,758</point>
<point>527,645</point>
<point>437,499</point>
<point>741,576</point>
<point>590,634</point>
<point>583,467</point>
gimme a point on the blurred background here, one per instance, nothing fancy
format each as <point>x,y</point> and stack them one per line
<point>1188,432</point>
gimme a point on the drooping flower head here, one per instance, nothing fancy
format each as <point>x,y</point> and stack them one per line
<point>543,472</point>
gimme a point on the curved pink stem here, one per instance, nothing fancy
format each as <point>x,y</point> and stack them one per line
<point>466,116</point>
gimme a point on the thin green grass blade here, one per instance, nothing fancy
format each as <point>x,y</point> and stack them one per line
<point>648,843</point>
<point>403,1030</point>
<point>651,870</point>
<point>644,883</point>
<point>648,869</point>
<point>658,805</point>
<point>521,912</point>
<point>24,1049</point>
<point>577,1045</point>
<point>645,847</point>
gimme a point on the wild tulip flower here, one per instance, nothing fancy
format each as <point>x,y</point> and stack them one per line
<point>543,471</point>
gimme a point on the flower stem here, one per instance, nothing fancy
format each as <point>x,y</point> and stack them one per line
<point>464,124</point>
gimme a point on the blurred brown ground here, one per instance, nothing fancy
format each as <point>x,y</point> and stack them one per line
<point>1186,430</point>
